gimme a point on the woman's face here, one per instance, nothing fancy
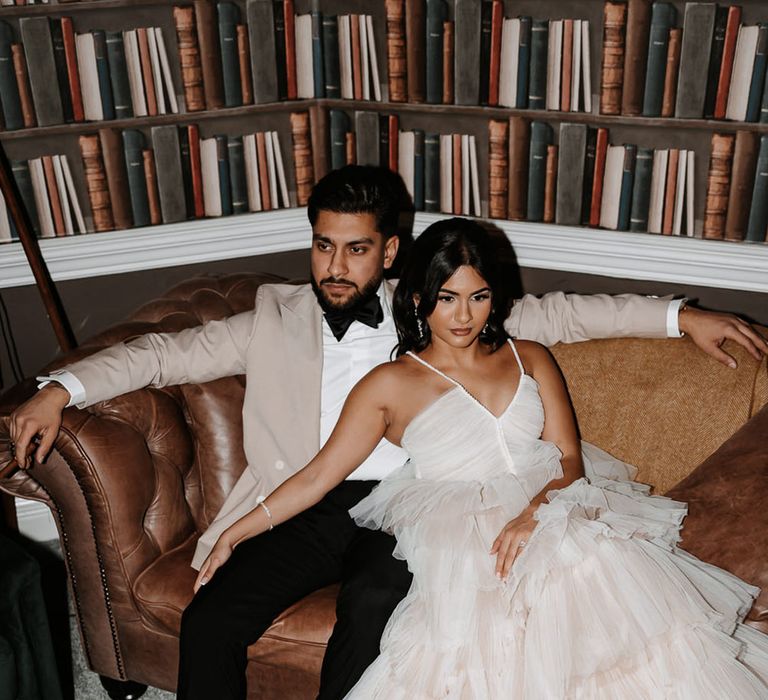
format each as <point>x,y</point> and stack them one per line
<point>462,309</point>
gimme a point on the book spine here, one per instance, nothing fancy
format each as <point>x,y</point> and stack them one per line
<point>64,195</point>
<point>153,198</point>
<point>189,58</point>
<point>745,156</point>
<point>497,20</point>
<point>96,183</point>
<point>432,172</point>
<point>757,226</point>
<point>486,29</point>
<point>384,140</point>
<point>225,185</point>
<point>698,28</point>
<point>726,65</point>
<point>669,95</point>
<point>636,56</point>
<point>627,185</point>
<point>185,157</point>
<point>302,157</point>
<point>394,149</point>
<point>117,180</point>
<point>53,196</point>
<point>418,170</point>
<point>670,191</point>
<point>589,174</point>
<point>339,126</point>
<point>261,18</point>
<point>23,179</point>
<point>743,65</point>
<point>210,172</point>
<point>102,69</point>
<point>351,150</point>
<point>396,58</point>
<point>758,76</point>
<point>572,152</point>
<point>641,190</point>
<point>523,63</point>
<point>715,59</point>
<point>118,74</point>
<point>319,131</point>
<point>550,187</point>
<point>567,66</point>
<point>210,54</point>
<point>467,52</point>
<point>541,137</point>
<point>228,18</point>
<point>244,61</point>
<point>280,169</point>
<point>612,70</point>
<point>367,139</point>
<point>10,100</point>
<point>196,171</point>
<point>41,65</point>
<point>22,82</point>
<point>133,148</point>
<point>236,162</point>
<point>537,86</point>
<point>357,77</point>
<point>289,17</point>
<point>156,68</point>
<point>415,38</point>
<point>498,168</point>
<point>42,203</point>
<point>318,61</point>
<point>170,182</point>
<point>437,14</point>
<point>146,71</point>
<point>448,59</point>
<point>518,164</point>
<point>280,49</point>
<point>662,18</point>
<point>601,150</point>
<point>62,77</point>
<point>331,57</point>
<point>718,184</point>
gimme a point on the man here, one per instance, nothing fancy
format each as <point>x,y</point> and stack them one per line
<point>302,348</point>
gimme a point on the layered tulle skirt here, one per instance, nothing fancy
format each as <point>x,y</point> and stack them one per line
<point>601,603</point>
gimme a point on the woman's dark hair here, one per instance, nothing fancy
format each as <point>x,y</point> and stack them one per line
<point>436,254</point>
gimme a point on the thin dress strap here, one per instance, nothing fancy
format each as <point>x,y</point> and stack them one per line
<point>517,357</point>
<point>434,369</point>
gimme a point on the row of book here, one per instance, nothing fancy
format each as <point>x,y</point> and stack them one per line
<point>56,75</point>
<point>714,67</point>
<point>172,176</point>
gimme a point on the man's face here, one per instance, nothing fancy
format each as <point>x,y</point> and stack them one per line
<point>348,258</point>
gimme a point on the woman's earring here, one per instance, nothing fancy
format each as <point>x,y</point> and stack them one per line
<point>486,328</point>
<point>419,322</point>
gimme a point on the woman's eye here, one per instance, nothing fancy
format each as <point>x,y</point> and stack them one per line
<point>482,297</point>
<point>445,298</point>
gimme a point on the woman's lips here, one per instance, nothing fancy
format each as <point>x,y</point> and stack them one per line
<point>461,331</point>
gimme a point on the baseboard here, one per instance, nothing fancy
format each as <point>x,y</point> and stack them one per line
<point>35,520</point>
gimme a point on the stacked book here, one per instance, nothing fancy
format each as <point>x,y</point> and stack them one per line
<point>481,57</point>
<point>56,75</point>
<point>583,179</point>
<point>737,188</point>
<point>714,67</point>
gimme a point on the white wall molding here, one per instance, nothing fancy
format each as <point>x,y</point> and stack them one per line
<point>35,520</point>
<point>639,256</point>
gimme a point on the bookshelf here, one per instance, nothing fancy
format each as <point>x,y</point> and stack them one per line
<point>681,259</point>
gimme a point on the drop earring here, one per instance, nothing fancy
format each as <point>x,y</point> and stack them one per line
<point>419,322</point>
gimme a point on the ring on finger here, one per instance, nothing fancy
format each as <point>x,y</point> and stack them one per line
<point>521,543</point>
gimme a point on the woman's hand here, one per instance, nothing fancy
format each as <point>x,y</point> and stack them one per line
<point>511,540</point>
<point>221,551</point>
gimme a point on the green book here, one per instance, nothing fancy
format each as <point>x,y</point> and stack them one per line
<point>662,19</point>
<point>229,17</point>
<point>641,190</point>
<point>9,90</point>
<point>133,146</point>
<point>237,179</point>
<point>432,172</point>
<point>541,137</point>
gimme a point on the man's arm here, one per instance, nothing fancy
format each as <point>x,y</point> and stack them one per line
<point>570,318</point>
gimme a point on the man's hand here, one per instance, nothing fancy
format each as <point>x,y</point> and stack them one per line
<point>710,329</point>
<point>40,417</point>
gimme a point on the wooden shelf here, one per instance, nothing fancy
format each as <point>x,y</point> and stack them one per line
<point>67,8</point>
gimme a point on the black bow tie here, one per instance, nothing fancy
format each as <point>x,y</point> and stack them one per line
<point>370,313</point>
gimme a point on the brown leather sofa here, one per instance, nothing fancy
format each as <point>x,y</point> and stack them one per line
<point>133,481</point>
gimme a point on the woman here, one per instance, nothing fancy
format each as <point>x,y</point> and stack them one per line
<point>530,580</point>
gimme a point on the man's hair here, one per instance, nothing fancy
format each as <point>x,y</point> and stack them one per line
<point>361,189</point>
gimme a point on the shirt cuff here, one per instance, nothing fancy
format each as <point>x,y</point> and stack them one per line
<point>69,381</point>
<point>673,312</point>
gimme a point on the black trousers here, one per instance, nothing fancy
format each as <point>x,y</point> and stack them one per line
<point>268,573</point>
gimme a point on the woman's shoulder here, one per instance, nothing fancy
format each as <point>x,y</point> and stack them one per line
<point>533,354</point>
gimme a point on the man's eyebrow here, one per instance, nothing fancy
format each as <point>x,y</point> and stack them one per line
<point>359,241</point>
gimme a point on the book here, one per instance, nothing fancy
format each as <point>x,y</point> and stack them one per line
<point>356,63</point>
<point>305,76</point>
<point>498,168</point>
<point>117,180</point>
<point>73,74</point>
<point>636,56</point>
<point>567,69</point>
<point>367,139</point>
<point>89,77</point>
<point>757,82</point>
<point>71,192</point>
<point>210,55</point>
<point>745,155</point>
<point>165,70</point>
<point>466,52</point>
<point>373,57</point>
<point>61,186</point>
<point>550,186</point>
<point>147,76</point>
<point>38,50</point>
<point>715,59</point>
<point>282,184</point>
<point>210,172</point>
<point>448,61</point>
<point>554,63</point>
<point>586,65</point>
<point>718,184</point>
<point>153,196</point>
<point>431,172</point>
<point>680,194</point>
<point>53,196</point>
<point>537,83</point>
<point>523,63</point>
<point>331,57</point>
<point>415,37</point>
<point>437,15</point>
<point>281,53</point>
<point>365,59</point>
<point>572,151</point>
<point>318,64</point>
<point>757,225</point>
<point>446,173</point>
<point>263,47</point>
<point>384,140</point>
<point>474,176</point>
<point>22,82</point>
<point>418,169</point>
<point>612,177</point>
<point>396,58</point>
<point>733,22</point>
<point>641,190</point>
<point>345,58</point>
<point>319,130</point>
<point>351,148</point>
<point>170,183</point>
<point>96,184</point>
<point>698,31</point>
<point>118,74</point>
<point>486,28</point>
<point>302,156</point>
<point>690,177</point>
<point>576,66</point>
<point>289,17</point>
<point>237,179</point>
<point>40,194</point>
<point>252,177</point>
<point>135,80</point>
<point>244,60</point>
<point>672,71</point>
<point>673,161</point>
<point>154,67</point>
<point>405,159</point>
<point>185,155</point>
<point>741,77</point>
<point>197,208</point>
<point>60,58</point>
<point>601,151</point>
<point>663,16</point>
<point>5,222</point>
<point>518,164</point>
<point>102,71</point>
<point>339,126</point>
<point>508,68</point>
<point>22,177</point>
<point>264,185</point>
<point>541,137</point>
<point>658,190</point>
<point>465,173</point>
<point>228,15</point>
<point>497,21</point>
<point>225,186</point>
<point>589,174</point>
<point>393,125</point>
<point>612,69</point>
<point>271,170</point>
<point>133,148</point>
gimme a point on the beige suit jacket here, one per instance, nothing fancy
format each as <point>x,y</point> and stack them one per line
<point>278,347</point>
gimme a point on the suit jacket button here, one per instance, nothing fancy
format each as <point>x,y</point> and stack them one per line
<point>279,465</point>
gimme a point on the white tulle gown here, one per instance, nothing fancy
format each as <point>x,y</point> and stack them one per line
<point>600,604</point>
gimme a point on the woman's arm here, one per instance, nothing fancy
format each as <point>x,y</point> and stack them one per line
<point>361,425</point>
<point>559,428</point>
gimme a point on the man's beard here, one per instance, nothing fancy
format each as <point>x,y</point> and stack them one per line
<point>360,296</point>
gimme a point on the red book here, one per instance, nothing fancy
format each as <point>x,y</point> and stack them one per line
<point>146,71</point>
<point>261,157</point>
<point>670,191</point>
<point>457,193</point>
<point>601,149</point>
<point>68,33</point>
<point>290,48</point>
<point>726,67</point>
<point>394,142</point>
<point>497,21</point>
<point>357,63</point>
<point>565,81</point>
<point>53,197</point>
<point>196,167</point>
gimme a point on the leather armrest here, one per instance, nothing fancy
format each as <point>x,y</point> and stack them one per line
<point>727,523</point>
